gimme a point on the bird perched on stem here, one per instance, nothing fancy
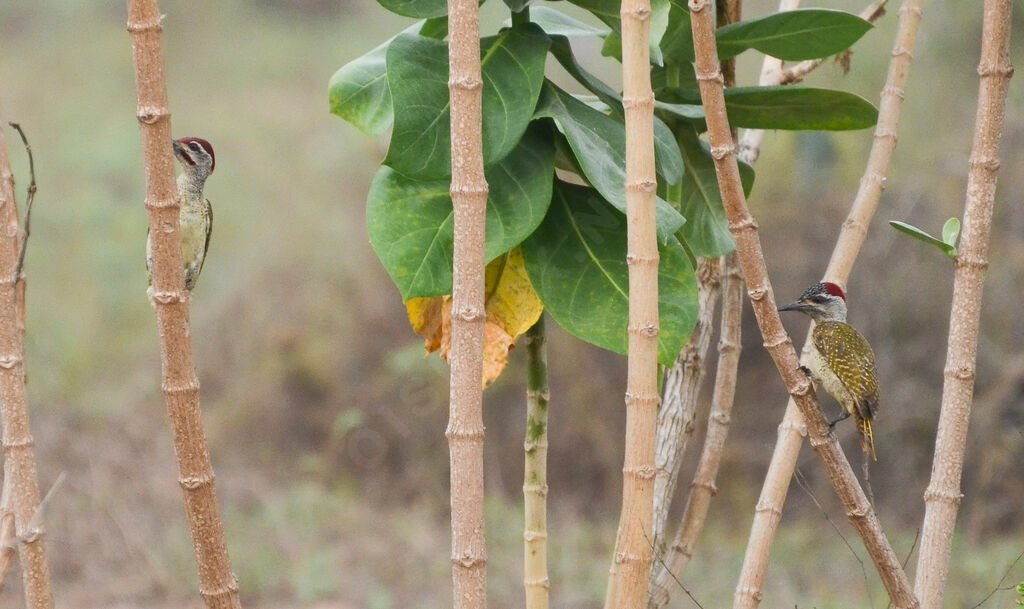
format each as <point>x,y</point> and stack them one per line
<point>841,360</point>
<point>195,219</point>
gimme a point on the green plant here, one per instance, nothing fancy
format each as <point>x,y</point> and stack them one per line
<point>572,237</point>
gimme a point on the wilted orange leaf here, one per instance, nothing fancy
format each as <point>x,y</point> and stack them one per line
<point>512,307</point>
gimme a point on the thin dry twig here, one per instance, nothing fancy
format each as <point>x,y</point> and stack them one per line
<point>802,482</point>
<point>18,445</point>
<point>465,431</point>
<point>777,342</point>
<point>795,74</point>
<point>217,583</point>
<point>942,497</point>
<point>999,584</point>
<point>30,197</point>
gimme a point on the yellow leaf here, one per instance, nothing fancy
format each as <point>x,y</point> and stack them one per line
<point>512,306</point>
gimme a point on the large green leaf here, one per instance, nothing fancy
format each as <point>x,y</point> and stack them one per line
<point>416,8</point>
<point>790,108</point>
<point>576,261</point>
<point>677,43</point>
<point>410,222</point>
<point>789,35</point>
<point>598,142</point>
<point>706,231</point>
<point>358,91</point>
<point>417,67</point>
<point>668,160</point>
<point>794,35</point>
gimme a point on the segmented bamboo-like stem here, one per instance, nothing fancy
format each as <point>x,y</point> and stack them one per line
<point>217,583</point>
<point>777,342</point>
<point>681,389</point>
<point>19,457</point>
<point>535,474</point>
<point>465,430</point>
<point>703,488</point>
<point>632,561</point>
<point>942,497</point>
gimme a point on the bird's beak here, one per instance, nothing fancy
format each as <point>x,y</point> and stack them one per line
<point>794,306</point>
<point>177,147</point>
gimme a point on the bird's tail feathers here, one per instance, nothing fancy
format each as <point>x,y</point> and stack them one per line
<point>867,438</point>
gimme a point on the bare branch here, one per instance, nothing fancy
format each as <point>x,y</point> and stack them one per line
<point>633,552</point>
<point>942,497</point>
<point>18,445</point>
<point>681,390</point>
<point>217,583</point>
<point>465,430</point>
<point>703,488</point>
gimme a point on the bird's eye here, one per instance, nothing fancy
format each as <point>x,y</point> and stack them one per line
<point>193,146</point>
<point>818,299</point>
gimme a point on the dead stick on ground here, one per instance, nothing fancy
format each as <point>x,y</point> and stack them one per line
<point>942,497</point>
<point>217,583</point>
<point>777,342</point>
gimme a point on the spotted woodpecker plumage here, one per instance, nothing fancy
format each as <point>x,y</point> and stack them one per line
<point>195,219</point>
<point>840,359</point>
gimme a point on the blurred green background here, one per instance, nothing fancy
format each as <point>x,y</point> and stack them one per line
<point>326,421</point>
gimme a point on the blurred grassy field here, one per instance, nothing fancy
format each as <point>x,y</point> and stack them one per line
<point>325,421</point>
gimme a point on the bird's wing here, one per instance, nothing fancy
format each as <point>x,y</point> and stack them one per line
<point>832,340</point>
<point>209,228</point>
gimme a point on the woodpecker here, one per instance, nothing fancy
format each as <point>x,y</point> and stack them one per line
<point>841,360</point>
<point>195,219</point>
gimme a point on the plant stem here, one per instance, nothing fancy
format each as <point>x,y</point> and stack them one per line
<point>633,551</point>
<point>942,497</point>
<point>19,456</point>
<point>679,403</point>
<point>535,476</point>
<point>703,488</point>
<point>217,583</point>
<point>465,430</point>
<point>521,17</point>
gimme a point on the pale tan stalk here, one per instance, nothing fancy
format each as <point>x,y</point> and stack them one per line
<point>8,545</point>
<point>777,342</point>
<point>632,561</point>
<point>942,497</point>
<point>680,392</point>
<point>465,430</point>
<point>217,583</point>
<point>19,456</point>
<point>851,237</point>
<point>796,73</point>
<point>535,474</point>
<point>703,488</point>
